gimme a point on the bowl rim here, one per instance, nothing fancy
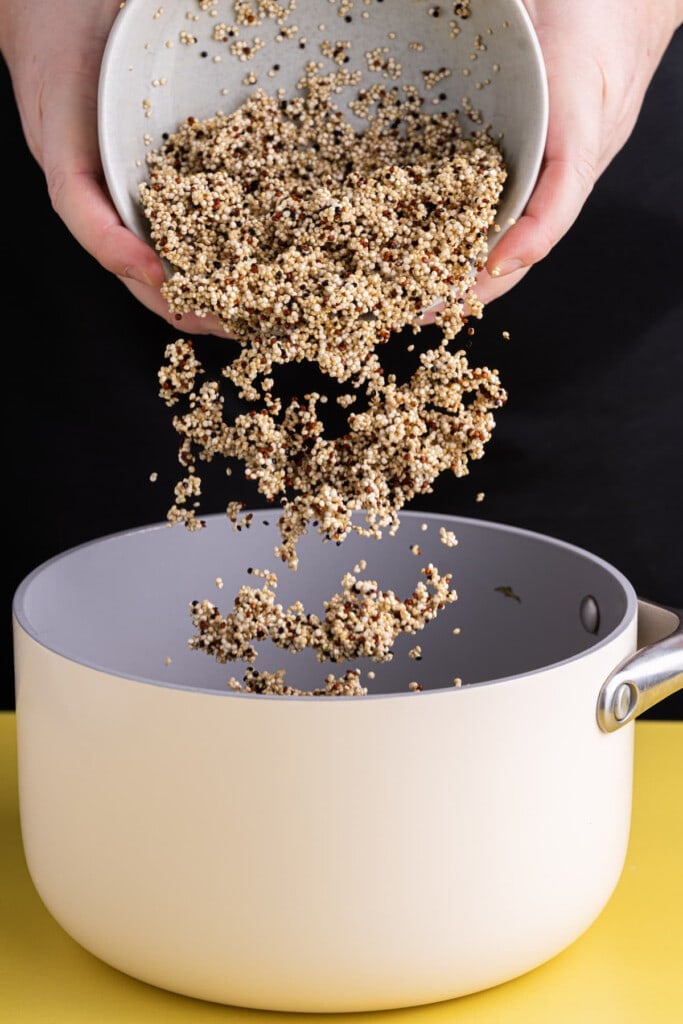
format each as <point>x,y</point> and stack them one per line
<point>125,199</point>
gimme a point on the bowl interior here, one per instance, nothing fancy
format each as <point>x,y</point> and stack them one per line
<point>121,603</point>
<point>163,64</point>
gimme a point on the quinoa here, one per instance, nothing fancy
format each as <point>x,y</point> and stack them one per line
<point>395,449</point>
<point>308,240</point>
<point>312,241</point>
<point>347,685</point>
<point>361,621</point>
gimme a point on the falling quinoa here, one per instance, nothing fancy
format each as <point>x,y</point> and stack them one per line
<point>313,242</point>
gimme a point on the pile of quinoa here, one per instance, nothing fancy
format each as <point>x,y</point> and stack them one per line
<point>361,621</point>
<point>313,242</point>
<point>308,240</point>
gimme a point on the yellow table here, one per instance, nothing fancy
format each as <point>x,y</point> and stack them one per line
<point>626,969</point>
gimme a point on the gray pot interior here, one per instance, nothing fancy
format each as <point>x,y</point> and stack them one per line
<point>120,604</point>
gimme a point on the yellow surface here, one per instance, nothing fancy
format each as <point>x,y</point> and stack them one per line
<point>626,969</point>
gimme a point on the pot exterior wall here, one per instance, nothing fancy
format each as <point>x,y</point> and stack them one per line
<point>322,855</point>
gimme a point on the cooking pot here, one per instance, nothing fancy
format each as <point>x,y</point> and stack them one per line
<point>321,854</point>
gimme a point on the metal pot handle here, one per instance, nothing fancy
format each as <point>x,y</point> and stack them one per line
<point>645,678</point>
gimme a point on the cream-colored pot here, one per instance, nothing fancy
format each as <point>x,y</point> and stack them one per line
<point>330,853</point>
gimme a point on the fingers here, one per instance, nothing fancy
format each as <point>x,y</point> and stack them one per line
<point>71,162</point>
<point>79,199</point>
<point>84,206</point>
<point>489,288</point>
<point>572,162</point>
<point>188,323</point>
<point>560,193</point>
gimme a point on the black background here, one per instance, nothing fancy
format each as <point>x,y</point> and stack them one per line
<point>588,448</point>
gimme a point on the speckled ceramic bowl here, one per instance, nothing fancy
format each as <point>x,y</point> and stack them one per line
<point>161,65</point>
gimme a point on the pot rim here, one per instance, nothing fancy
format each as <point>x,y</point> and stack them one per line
<point>23,622</point>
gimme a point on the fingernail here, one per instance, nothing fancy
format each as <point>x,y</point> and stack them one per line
<point>506,267</point>
<point>135,274</point>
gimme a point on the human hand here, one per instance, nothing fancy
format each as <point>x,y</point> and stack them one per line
<point>600,57</point>
<point>53,50</point>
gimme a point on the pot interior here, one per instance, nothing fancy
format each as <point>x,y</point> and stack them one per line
<point>120,604</point>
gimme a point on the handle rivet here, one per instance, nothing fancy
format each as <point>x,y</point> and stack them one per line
<point>589,614</point>
<point>621,703</point>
